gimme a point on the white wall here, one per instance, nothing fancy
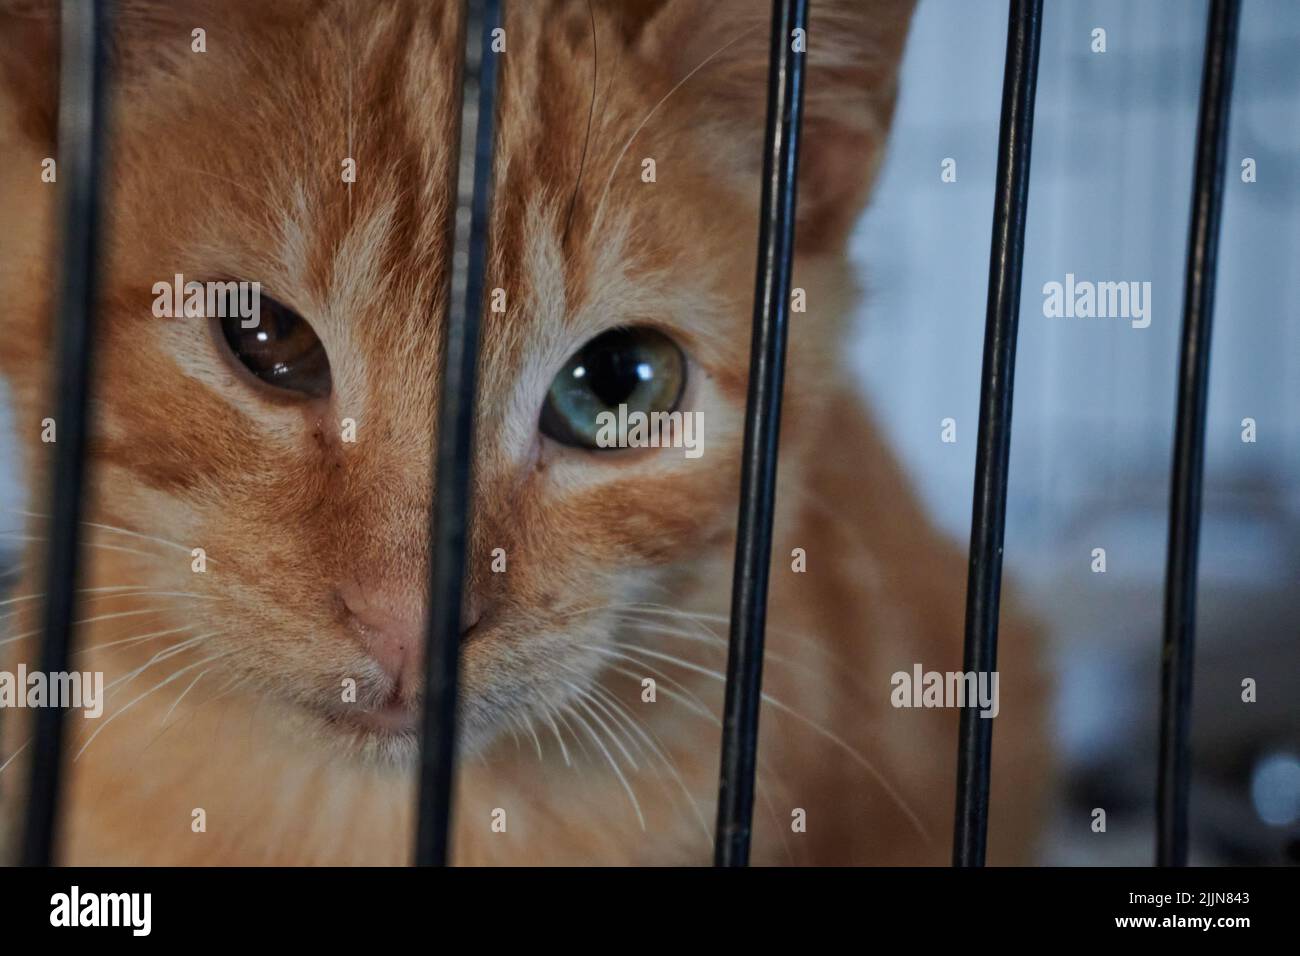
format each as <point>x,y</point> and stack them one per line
<point>1109,199</point>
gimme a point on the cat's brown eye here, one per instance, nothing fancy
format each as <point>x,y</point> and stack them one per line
<point>638,367</point>
<point>281,349</point>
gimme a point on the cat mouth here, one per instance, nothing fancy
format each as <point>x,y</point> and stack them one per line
<point>394,717</point>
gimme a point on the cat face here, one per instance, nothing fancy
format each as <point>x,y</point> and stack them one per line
<point>308,149</point>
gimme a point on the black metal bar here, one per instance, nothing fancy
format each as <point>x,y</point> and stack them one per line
<point>82,104</point>
<point>762,424</point>
<point>1189,441</point>
<point>993,444</point>
<point>450,515</point>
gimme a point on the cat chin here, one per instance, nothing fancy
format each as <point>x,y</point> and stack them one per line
<point>392,751</point>
<point>398,752</point>
<point>389,740</point>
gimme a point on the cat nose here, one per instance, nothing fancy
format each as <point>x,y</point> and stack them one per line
<point>392,628</point>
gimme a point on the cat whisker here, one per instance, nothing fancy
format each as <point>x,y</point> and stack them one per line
<point>20,598</point>
<point>784,708</point>
<point>13,756</point>
<point>707,634</point>
<point>234,683</point>
<point>114,529</point>
<point>710,640</point>
<point>651,741</point>
<point>694,702</point>
<point>526,719</point>
<point>564,751</point>
<point>580,697</point>
<point>19,536</point>
<point>161,684</point>
<point>162,725</point>
<point>189,687</point>
<point>645,607</point>
<point>92,620</point>
<point>695,705</point>
<point>134,639</point>
<point>560,715</point>
<point>597,696</point>
<point>510,726</point>
<point>613,765</point>
<point>518,717</point>
<point>591,113</point>
<point>112,588</point>
<point>713,642</point>
<point>765,781</point>
<point>626,727</point>
<point>600,205</point>
<point>165,654</point>
<point>103,597</point>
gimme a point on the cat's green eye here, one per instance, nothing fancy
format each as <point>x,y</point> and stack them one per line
<point>281,349</point>
<point>638,367</point>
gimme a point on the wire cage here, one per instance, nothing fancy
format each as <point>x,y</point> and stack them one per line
<point>82,143</point>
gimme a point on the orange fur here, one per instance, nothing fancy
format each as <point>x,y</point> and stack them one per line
<point>227,163</point>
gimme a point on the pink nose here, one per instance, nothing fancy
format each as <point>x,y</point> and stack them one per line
<point>391,628</point>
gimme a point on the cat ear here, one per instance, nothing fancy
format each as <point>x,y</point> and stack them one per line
<point>853,47</point>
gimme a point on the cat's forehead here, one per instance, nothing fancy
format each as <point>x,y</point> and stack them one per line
<point>578,237</point>
<point>316,158</point>
<point>352,204</point>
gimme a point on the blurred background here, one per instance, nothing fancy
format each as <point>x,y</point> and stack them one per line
<point>1094,398</point>
<point>1110,189</point>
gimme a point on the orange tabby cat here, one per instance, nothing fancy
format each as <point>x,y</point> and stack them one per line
<point>262,692</point>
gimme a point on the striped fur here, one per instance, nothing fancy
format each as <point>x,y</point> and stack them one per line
<point>227,163</point>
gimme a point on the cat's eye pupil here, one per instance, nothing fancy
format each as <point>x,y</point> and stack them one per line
<point>281,349</point>
<point>611,368</point>
<point>638,367</point>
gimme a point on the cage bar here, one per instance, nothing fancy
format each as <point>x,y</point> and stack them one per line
<point>785,86</point>
<point>993,444</point>
<point>451,485</point>
<point>1174,774</point>
<point>82,104</point>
